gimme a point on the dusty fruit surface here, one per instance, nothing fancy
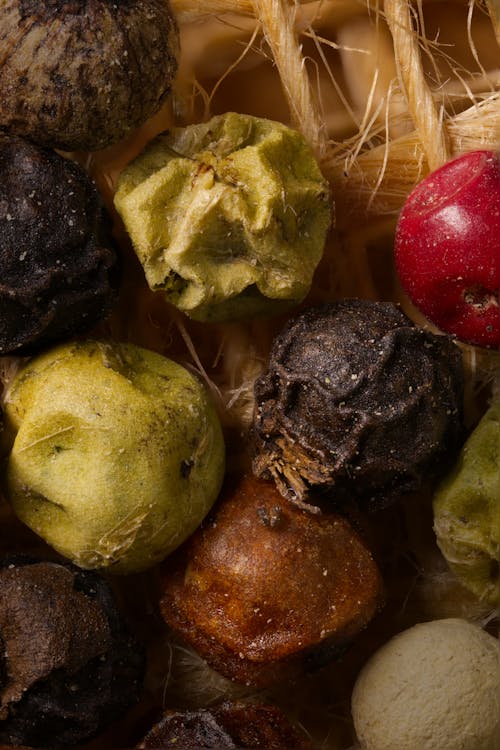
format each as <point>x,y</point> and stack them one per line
<point>82,74</point>
<point>447,247</point>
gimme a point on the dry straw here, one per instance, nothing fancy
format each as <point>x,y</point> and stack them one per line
<point>438,90</point>
<point>382,91</point>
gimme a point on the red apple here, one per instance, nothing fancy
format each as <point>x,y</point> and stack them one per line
<point>447,247</point>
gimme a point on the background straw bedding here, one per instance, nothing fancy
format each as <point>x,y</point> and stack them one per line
<point>383,92</point>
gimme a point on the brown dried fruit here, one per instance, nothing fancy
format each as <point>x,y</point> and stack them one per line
<point>81,74</point>
<point>358,400</point>
<point>229,725</point>
<point>58,265</point>
<point>71,666</point>
<point>264,590</point>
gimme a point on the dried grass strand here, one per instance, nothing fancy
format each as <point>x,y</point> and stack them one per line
<point>427,117</point>
<point>278,25</point>
<point>232,67</point>
<point>315,11</point>
<point>393,168</point>
<point>493,7</point>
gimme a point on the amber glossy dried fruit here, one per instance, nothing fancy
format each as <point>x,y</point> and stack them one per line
<point>58,264</point>
<point>71,665</point>
<point>226,726</point>
<point>264,591</point>
<point>358,400</point>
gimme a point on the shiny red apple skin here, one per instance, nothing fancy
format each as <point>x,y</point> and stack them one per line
<point>447,247</point>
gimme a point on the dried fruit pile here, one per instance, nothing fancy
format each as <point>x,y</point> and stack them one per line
<point>250,358</point>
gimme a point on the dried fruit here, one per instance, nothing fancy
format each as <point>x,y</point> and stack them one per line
<point>467,510</point>
<point>358,400</point>
<point>117,453</point>
<point>228,725</point>
<point>81,74</point>
<point>434,686</point>
<point>264,591</point>
<point>228,217</point>
<point>58,264</point>
<point>447,247</point>
<point>71,665</point>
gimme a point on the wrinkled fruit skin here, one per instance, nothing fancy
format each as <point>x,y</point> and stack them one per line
<point>116,453</point>
<point>447,248</point>
<point>226,727</point>
<point>467,510</point>
<point>81,74</point>
<point>228,217</point>
<point>264,591</point>
<point>357,402</point>
<point>58,263</point>
<point>71,665</point>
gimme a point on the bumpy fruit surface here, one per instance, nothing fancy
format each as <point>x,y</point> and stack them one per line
<point>447,247</point>
<point>229,217</point>
<point>82,74</point>
<point>467,510</point>
<point>117,453</point>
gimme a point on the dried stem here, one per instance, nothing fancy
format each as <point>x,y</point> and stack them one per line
<point>427,118</point>
<point>278,24</point>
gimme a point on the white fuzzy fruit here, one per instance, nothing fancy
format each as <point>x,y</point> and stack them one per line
<point>435,686</point>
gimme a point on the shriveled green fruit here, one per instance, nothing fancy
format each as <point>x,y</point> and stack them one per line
<point>118,453</point>
<point>467,510</point>
<point>229,217</point>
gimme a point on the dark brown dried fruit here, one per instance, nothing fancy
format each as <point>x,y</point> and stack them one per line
<point>357,399</point>
<point>81,74</point>
<point>71,665</point>
<point>229,725</point>
<point>264,591</point>
<point>58,265</point>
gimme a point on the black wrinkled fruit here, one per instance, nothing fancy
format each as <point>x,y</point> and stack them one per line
<point>58,264</point>
<point>229,725</point>
<point>359,402</point>
<point>70,665</point>
<point>81,74</point>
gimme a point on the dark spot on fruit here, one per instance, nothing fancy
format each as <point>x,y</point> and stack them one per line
<point>186,467</point>
<point>270,517</point>
<point>480,298</point>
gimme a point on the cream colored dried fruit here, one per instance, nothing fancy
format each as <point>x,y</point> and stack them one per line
<point>435,686</point>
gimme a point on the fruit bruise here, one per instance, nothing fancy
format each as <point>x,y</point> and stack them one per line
<point>447,247</point>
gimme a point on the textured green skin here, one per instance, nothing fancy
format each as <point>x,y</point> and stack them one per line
<point>228,217</point>
<point>467,510</point>
<point>117,457</point>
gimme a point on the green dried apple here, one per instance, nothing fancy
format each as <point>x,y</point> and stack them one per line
<point>467,510</point>
<point>117,453</point>
<point>229,217</point>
